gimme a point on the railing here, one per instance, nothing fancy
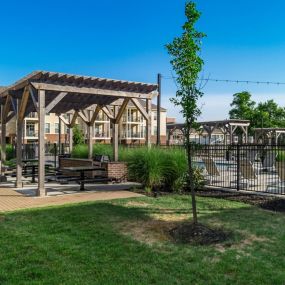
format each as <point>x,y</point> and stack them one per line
<point>132,119</point>
<point>32,115</point>
<point>102,135</point>
<point>259,168</point>
<point>31,134</point>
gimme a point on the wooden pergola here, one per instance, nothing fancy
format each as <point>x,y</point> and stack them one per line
<point>226,127</point>
<point>79,96</point>
<point>271,134</point>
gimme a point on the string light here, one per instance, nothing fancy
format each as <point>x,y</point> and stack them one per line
<point>234,81</point>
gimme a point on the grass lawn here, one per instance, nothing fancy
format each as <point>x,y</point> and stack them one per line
<point>124,242</point>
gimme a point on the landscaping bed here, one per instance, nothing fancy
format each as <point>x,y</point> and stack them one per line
<point>263,201</point>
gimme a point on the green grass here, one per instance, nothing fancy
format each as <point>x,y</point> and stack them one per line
<point>85,244</point>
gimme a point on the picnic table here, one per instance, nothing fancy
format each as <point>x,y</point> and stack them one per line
<point>82,170</point>
<point>33,167</point>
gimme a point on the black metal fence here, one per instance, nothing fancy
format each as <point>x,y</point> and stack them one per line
<point>259,168</point>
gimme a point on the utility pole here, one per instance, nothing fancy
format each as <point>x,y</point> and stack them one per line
<point>158,108</point>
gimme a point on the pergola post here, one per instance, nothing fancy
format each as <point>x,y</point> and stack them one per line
<point>70,138</point>
<point>59,136</point>
<point>3,136</point>
<point>90,140</point>
<point>41,139</point>
<point>19,183</point>
<point>89,125</point>
<point>115,135</point>
<point>148,123</point>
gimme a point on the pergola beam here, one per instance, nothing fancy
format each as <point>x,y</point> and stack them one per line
<point>140,107</point>
<point>95,114</point>
<point>55,101</point>
<point>90,90</point>
<point>108,113</point>
<point>122,110</point>
<point>23,105</point>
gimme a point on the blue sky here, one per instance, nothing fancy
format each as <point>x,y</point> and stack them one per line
<point>125,40</point>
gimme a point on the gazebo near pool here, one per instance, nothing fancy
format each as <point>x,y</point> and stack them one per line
<point>79,96</point>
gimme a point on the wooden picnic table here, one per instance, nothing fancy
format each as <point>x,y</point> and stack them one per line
<point>82,170</point>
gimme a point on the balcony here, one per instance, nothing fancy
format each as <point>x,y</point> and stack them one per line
<point>32,115</point>
<point>132,119</point>
<point>31,134</point>
<point>103,135</point>
<point>132,135</point>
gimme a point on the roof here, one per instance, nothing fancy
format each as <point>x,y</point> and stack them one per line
<point>269,129</point>
<point>82,91</point>
<point>87,81</point>
<point>226,122</point>
<point>2,88</point>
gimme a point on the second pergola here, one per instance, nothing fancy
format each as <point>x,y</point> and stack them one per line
<point>80,96</point>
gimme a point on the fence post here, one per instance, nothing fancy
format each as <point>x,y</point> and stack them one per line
<point>238,167</point>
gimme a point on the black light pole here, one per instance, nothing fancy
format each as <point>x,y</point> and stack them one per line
<point>158,108</point>
<point>59,136</point>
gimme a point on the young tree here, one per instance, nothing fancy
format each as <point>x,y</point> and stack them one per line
<point>187,64</point>
<point>78,136</point>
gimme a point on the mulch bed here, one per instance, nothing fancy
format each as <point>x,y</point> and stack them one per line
<point>265,202</point>
<point>262,201</point>
<point>198,234</point>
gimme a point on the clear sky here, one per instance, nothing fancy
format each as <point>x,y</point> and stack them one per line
<point>125,40</point>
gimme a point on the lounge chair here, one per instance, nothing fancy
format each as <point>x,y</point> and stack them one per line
<point>248,175</point>
<point>278,187</point>
<point>269,160</point>
<point>251,155</point>
<point>211,169</point>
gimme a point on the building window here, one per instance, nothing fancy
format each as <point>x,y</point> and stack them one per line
<point>56,128</point>
<point>47,128</point>
<point>30,130</point>
<point>154,116</point>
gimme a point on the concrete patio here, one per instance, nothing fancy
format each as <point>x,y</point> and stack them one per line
<point>12,199</point>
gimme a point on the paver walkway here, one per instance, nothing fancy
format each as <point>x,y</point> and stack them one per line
<point>12,200</point>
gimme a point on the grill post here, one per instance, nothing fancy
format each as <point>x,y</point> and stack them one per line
<point>238,167</point>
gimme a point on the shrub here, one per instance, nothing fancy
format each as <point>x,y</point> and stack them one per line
<point>155,168</point>
<point>10,152</point>
<point>280,155</point>
<point>103,149</point>
<point>80,151</point>
<point>78,136</point>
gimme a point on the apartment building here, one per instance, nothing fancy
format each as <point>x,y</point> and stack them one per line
<point>30,131</point>
<point>132,128</point>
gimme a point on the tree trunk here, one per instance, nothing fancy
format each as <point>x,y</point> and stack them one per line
<point>189,151</point>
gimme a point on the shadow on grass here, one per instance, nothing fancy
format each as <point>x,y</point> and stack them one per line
<point>81,243</point>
